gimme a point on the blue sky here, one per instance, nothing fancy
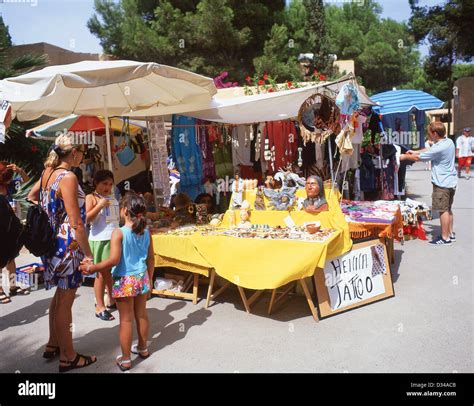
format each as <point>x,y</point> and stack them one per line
<point>63,22</point>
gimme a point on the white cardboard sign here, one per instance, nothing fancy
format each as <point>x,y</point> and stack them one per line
<point>356,276</point>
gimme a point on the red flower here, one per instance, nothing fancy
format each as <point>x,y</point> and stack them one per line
<point>290,84</point>
<point>265,77</point>
<point>34,148</point>
<point>261,82</point>
<point>322,77</point>
<point>315,73</point>
<point>270,90</point>
<point>248,79</point>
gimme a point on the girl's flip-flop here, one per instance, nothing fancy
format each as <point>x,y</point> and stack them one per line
<point>144,354</point>
<point>123,364</point>
<point>105,315</point>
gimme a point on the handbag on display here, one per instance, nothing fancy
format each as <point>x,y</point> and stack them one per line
<point>124,153</point>
<point>138,145</point>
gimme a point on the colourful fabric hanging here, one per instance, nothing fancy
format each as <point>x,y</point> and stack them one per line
<point>208,164</point>
<point>187,155</point>
<point>283,144</point>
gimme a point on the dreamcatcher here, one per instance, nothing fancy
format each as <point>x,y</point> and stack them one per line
<point>319,118</point>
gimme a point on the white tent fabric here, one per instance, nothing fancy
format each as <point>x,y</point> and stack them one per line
<point>85,87</point>
<point>231,106</point>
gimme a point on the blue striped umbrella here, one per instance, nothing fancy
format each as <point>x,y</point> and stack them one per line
<point>404,100</point>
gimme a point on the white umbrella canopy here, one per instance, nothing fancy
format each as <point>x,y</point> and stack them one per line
<point>102,88</point>
<point>80,88</point>
<point>231,106</point>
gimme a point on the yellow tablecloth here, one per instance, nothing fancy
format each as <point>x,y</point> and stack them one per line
<point>179,252</point>
<point>261,263</point>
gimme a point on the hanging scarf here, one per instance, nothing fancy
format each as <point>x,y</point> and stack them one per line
<point>187,155</point>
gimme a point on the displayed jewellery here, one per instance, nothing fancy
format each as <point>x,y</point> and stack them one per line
<point>270,233</point>
<point>300,159</point>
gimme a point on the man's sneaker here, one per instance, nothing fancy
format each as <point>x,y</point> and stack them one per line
<point>439,241</point>
<point>452,237</point>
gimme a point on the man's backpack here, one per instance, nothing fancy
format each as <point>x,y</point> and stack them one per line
<point>39,236</point>
<point>11,231</point>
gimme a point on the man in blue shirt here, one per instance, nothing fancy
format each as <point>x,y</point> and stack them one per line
<point>443,178</point>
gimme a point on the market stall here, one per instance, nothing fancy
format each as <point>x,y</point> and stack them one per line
<point>266,257</point>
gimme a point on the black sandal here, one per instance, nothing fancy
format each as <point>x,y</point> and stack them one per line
<point>73,364</point>
<point>16,290</point>
<point>51,354</point>
<point>105,315</point>
<point>4,298</point>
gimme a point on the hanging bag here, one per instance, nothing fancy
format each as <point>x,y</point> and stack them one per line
<point>39,236</point>
<point>125,154</point>
<point>138,145</point>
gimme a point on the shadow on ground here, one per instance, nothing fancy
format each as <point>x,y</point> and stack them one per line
<point>104,342</point>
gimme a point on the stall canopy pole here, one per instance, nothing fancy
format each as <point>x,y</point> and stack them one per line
<point>330,160</point>
<point>107,133</point>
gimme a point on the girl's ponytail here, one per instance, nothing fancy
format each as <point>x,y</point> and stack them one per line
<point>136,209</point>
<point>139,222</point>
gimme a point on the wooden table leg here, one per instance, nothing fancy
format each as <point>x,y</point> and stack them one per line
<point>248,302</point>
<point>244,299</point>
<point>392,249</point>
<point>255,296</point>
<point>276,303</point>
<point>309,299</point>
<point>195,288</point>
<point>211,286</point>
<point>272,300</point>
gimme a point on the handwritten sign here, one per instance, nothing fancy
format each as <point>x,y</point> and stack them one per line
<point>359,277</point>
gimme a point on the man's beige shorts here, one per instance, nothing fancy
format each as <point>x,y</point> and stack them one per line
<point>442,198</point>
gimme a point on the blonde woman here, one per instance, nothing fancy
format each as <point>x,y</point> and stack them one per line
<point>64,201</point>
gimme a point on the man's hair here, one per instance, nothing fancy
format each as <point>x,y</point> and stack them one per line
<point>182,200</point>
<point>438,128</point>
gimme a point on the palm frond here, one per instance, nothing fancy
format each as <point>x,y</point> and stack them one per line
<point>27,62</point>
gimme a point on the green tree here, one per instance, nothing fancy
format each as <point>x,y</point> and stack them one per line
<point>206,36</point>
<point>389,58</point>
<point>278,59</point>
<point>23,151</point>
<point>449,29</point>
<point>317,36</point>
<point>383,50</point>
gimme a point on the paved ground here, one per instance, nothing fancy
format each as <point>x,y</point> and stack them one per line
<point>426,327</point>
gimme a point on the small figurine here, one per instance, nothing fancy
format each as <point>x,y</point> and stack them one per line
<point>216,220</point>
<point>245,216</point>
<point>269,182</point>
<point>237,189</point>
<point>259,200</point>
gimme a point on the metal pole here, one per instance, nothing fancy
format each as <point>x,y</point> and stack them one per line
<point>107,134</point>
<point>330,159</point>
